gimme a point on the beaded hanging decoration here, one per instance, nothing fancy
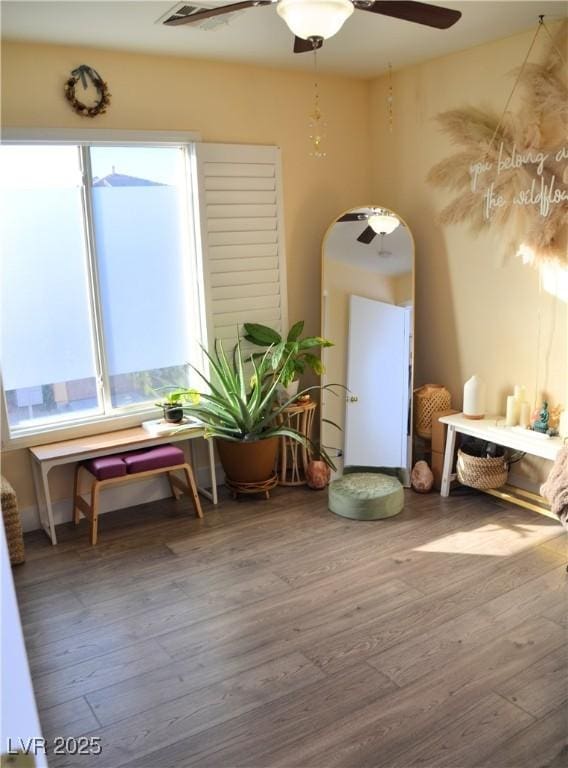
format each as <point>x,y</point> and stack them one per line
<point>317,123</point>
<point>390,99</point>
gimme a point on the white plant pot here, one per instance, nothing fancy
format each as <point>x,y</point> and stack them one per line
<point>287,393</point>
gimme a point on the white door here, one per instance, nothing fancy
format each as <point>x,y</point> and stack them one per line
<point>378,362</point>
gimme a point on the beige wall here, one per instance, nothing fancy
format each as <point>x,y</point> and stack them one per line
<point>478,310</point>
<point>225,103</point>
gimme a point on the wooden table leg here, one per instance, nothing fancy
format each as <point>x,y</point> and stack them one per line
<point>45,509</point>
<point>212,471</point>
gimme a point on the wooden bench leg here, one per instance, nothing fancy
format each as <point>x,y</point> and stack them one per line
<point>193,487</point>
<point>176,493</point>
<point>95,512</point>
<point>189,486</point>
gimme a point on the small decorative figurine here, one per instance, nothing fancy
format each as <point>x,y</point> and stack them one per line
<point>541,424</point>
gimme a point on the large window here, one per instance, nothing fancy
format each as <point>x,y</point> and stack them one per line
<point>99,291</point>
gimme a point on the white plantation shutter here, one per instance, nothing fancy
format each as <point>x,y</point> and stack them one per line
<point>244,266</point>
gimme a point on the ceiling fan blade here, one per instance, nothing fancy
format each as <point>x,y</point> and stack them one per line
<point>420,13</point>
<point>303,46</point>
<point>208,13</point>
<point>367,235</point>
<point>352,217</point>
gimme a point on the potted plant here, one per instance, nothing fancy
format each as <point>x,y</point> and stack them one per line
<point>172,405</point>
<point>289,356</point>
<point>241,412</point>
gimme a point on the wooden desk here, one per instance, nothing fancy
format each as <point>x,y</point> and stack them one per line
<point>493,429</point>
<point>45,457</point>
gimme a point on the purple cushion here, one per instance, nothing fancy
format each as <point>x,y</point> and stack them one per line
<point>106,467</point>
<point>153,458</point>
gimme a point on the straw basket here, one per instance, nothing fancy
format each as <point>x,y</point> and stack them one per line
<point>482,473</point>
<point>12,524</point>
<point>427,400</point>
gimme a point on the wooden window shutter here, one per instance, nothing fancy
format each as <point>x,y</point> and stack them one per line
<point>244,265</point>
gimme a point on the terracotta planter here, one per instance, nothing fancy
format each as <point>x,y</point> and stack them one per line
<point>317,475</point>
<point>248,462</point>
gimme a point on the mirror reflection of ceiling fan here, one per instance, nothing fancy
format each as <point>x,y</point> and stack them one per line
<point>313,21</point>
<point>380,221</point>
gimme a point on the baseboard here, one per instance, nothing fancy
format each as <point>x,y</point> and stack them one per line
<point>521,481</point>
<point>117,497</point>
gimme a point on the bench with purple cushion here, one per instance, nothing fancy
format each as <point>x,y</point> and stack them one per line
<point>132,465</point>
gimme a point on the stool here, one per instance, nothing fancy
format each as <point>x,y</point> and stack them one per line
<point>12,522</point>
<point>367,493</point>
<point>134,465</point>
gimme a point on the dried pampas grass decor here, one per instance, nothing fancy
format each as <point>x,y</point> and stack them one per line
<point>512,171</point>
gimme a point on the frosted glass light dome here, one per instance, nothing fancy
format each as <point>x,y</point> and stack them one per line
<point>383,223</point>
<point>315,18</point>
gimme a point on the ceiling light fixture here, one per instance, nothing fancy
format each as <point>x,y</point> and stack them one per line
<point>315,18</point>
<point>383,222</point>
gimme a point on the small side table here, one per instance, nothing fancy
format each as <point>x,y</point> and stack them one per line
<point>292,456</point>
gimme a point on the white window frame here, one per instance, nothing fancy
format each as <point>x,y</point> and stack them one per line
<point>131,415</point>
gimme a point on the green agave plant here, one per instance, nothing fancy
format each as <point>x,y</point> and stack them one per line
<point>240,407</point>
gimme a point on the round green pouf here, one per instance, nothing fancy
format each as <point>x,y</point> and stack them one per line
<point>366,496</point>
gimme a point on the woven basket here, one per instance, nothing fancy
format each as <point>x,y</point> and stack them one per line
<point>427,400</point>
<point>12,523</point>
<point>481,472</point>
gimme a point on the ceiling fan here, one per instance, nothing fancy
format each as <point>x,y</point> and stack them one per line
<point>313,21</point>
<point>379,222</point>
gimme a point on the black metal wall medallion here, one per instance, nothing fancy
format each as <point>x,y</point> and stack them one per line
<point>85,74</point>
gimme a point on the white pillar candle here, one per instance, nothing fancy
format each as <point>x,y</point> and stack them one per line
<point>524,414</point>
<point>512,412</point>
<point>520,392</point>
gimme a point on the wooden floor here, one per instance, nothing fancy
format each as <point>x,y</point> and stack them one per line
<point>275,634</point>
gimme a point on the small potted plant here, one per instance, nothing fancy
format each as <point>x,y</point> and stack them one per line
<point>172,406</point>
<point>289,356</point>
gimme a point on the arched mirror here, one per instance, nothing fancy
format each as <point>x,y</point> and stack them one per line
<point>367,312</point>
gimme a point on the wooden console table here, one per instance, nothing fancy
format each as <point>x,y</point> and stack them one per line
<point>492,430</point>
<point>45,457</point>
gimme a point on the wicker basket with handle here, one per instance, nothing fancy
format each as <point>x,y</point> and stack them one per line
<point>480,472</point>
<point>427,400</point>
